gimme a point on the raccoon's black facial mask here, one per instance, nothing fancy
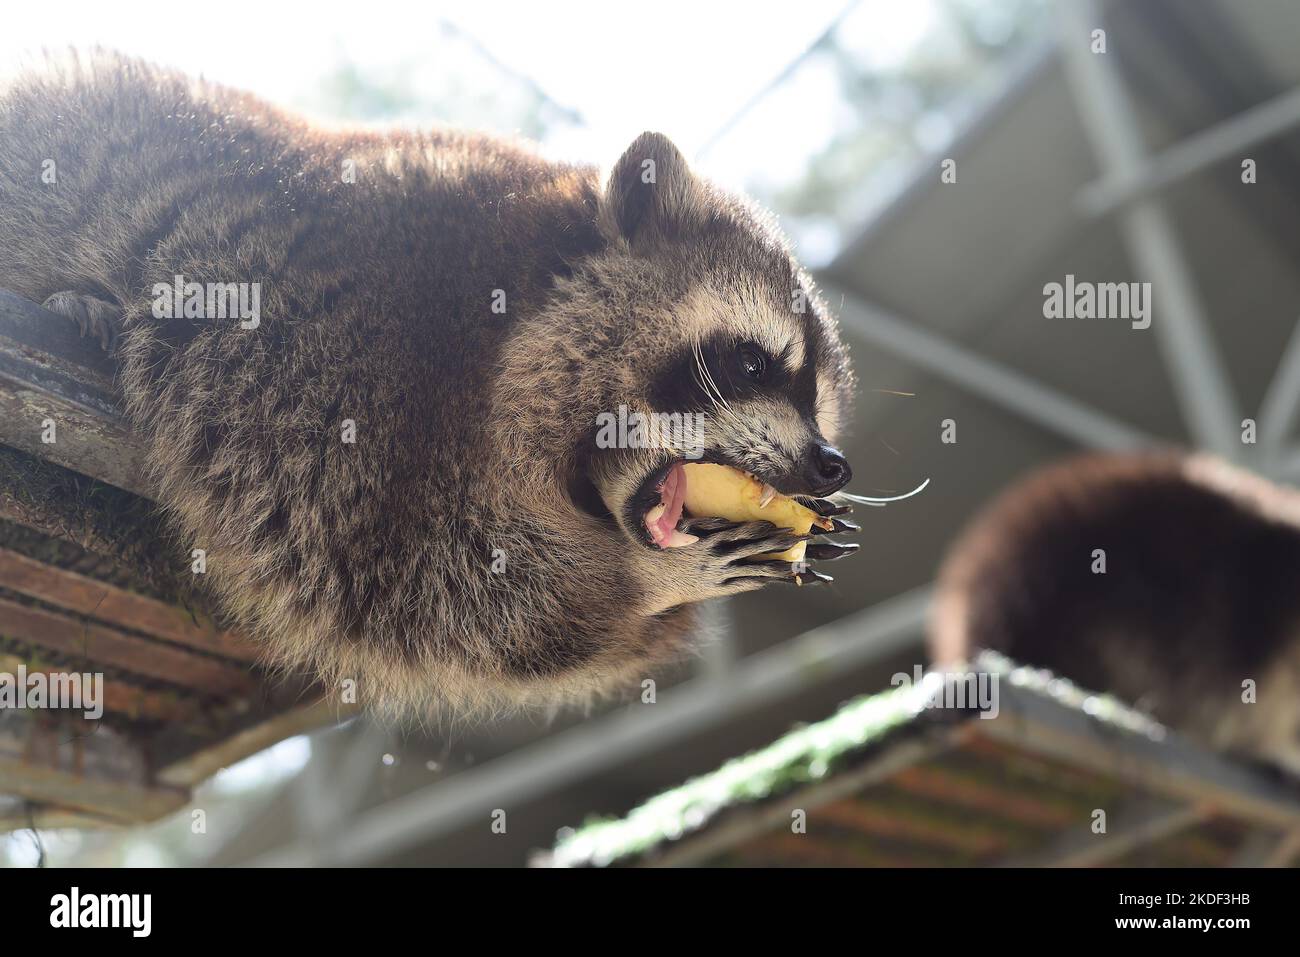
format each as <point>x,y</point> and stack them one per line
<point>724,370</point>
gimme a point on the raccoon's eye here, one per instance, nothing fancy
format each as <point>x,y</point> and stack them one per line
<point>752,361</point>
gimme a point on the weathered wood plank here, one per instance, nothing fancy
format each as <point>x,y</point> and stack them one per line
<point>746,823</point>
<point>100,771</point>
<point>52,342</point>
<point>1172,767</point>
<point>118,606</point>
<point>962,791</point>
<point>101,646</point>
<point>1133,826</point>
<point>780,849</point>
<point>122,698</point>
<point>857,815</point>
<point>49,817</point>
<point>126,803</point>
<point>48,372</point>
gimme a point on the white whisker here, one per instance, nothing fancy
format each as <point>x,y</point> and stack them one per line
<point>710,387</point>
<point>881,502</point>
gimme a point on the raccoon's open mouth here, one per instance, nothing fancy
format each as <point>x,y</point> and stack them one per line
<point>658,508</point>
<point>660,521</point>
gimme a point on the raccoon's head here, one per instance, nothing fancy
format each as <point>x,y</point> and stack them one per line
<point>710,346</point>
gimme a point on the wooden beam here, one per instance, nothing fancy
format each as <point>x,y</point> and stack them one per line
<point>48,817</point>
<point>1041,771</point>
<point>48,372</point>
<point>864,818</point>
<point>103,647</point>
<point>783,849</point>
<point>1128,828</point>
<point>1172,767</point>
<point>744,823</point>
<point>127,609</point>
<point>959,790</point>
<point>121,802</point>
<point>99,771</point>
<point>121,697</point>
<point>52,523</point>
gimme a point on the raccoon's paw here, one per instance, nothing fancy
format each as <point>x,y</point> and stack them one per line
<point>93,317</point>
<point>732,556</point>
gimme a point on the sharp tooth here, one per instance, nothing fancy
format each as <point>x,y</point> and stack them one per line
<point>655,514</point>
<point>768,493</point>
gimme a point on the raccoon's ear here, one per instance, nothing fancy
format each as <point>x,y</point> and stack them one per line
<point>651,191</point>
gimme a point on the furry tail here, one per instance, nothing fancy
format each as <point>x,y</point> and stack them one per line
<point>1168,580</point>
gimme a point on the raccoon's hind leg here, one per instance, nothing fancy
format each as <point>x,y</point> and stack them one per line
<point>93,316</point>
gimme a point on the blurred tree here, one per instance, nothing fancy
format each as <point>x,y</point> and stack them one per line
<point>901,114</point>
<point>462,85</point>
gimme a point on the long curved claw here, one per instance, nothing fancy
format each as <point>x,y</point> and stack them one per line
<point>810,577</point>
<point>825,507</point>
<point>829,551</point>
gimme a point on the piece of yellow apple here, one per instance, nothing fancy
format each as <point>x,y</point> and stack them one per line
<point>720,491</point>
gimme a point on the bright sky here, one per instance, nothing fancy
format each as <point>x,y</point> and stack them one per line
<point>681,66</point>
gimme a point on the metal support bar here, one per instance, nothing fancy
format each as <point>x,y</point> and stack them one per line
<point>336,779</point>
<point>775,82</point>
<point>1256,125</point>
<point>552,762</point>
<point>1277,413</point>
<point>1284,464</point>
<point>1182,330</point>
<point>1015,392</point>
<point>720,649</point>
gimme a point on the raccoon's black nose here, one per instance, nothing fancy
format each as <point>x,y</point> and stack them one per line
<point>827,469</point>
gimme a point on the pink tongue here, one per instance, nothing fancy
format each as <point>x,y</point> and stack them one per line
<point>672,496</point>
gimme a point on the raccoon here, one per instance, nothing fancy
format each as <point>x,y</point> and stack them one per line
<point>1165,578</point>
<point>463,311</point>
